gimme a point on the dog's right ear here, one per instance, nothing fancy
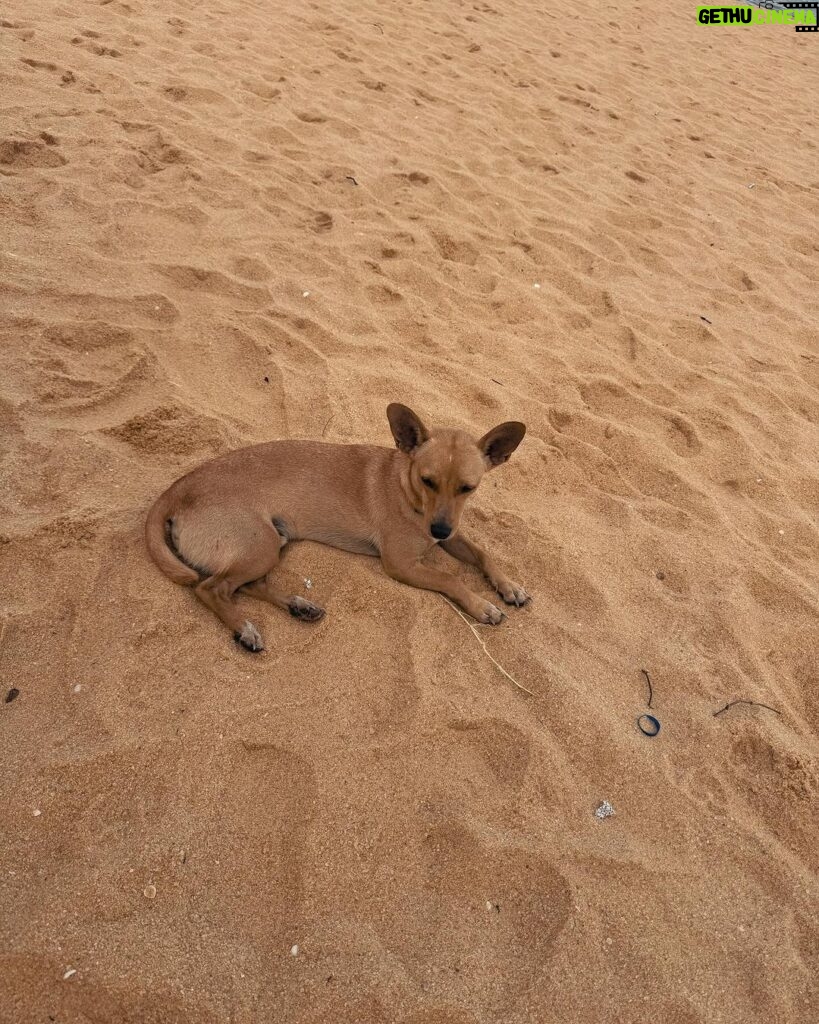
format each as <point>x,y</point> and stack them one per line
<point>409,432</point>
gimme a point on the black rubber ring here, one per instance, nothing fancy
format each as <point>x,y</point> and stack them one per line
<point>653,725</point>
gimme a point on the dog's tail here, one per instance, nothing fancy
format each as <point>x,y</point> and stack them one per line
<point>156,538</point>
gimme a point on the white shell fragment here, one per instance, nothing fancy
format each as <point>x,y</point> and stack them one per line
<point>71,971</point>
<point>605,810</point>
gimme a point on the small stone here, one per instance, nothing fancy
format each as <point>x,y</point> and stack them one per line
<point>77,688</point>
<point>660,574</point>
<point>37,813</point>
<point>308,583</point>
<point>305,295</point>
<point>13,694</point>
<point>149,892</point>
<point>294,951</point>
<point>605,810</point>
<point>69,973</point>
<point>536,286</point>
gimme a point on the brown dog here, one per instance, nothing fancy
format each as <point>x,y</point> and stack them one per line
<point>222,527</point>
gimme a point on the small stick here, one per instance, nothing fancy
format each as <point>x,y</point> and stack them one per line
<point>327,424</point>
<point>757,703</point>
<point>497,665</point>
<point>650,691</point>
<point>495,381</point>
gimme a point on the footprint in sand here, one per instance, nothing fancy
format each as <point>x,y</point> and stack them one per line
<point>172,430</point>
<point>214,282</point>
<point>22,154</point>
<point>608,398</point>
<point>88,365</point>
<point>86,41</point>
<point>456,251</point>
<point>251,269</point>
<point>322,221</point>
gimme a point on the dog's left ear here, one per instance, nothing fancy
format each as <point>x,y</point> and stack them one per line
<point>407,429</point>
<point>501,441</point>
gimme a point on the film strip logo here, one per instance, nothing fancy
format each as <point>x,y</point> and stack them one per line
<point>793,5</point>
<point>806,7</point>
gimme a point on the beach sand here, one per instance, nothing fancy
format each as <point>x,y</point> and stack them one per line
<point>225,223</point>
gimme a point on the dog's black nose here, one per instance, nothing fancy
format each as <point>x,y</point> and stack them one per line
<point>440,531</point>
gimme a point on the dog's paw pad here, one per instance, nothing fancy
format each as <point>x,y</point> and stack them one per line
<point>301,608</point>
<point>514,594</point>
<point>249,638</point>
<point>491,615</point>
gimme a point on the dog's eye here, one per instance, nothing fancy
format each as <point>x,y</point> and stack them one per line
<point>425,480</point>
<point>467,488</point>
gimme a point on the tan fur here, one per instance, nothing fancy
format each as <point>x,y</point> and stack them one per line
<point>222,527</point>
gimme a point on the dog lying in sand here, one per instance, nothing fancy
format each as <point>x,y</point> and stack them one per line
<point>222,527</point>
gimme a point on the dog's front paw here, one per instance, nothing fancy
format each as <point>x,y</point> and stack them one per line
<point>489,614</point>
<point>512,593</point>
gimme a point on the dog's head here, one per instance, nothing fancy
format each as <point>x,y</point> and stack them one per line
<point>447,465</point>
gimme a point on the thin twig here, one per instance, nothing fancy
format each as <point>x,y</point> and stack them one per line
<point>497,665</point>
<point>650,691</point>
<point>327,424</point>
<point>757,703</point>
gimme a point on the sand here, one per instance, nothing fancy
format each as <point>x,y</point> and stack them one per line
<point>224,223</point>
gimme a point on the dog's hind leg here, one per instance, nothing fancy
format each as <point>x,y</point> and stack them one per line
<point>260,555</point>
<point>217,593</point>
<point>299,607</point>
